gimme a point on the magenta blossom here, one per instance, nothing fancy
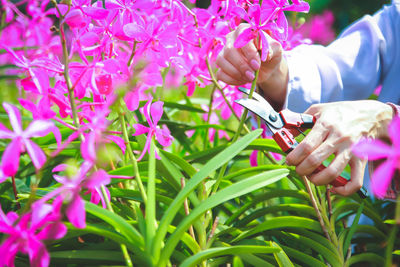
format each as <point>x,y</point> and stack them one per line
<point>20,141</point>
<point>27,233</point>
<point>258,26</point>
<point>153,112</point>
<point>376,149</point>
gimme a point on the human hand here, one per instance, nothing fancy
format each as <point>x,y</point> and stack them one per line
<point>338,126</point>
<point>237,66</point>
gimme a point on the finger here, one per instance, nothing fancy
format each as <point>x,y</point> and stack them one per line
<point>251,54</point>
<point>229,69</point>
<point>313,140</point>
<point>222,76</point>
<point>357,176</point>
<point>275,49</point>
<point>237,59</point>
<point>315,158</point>
<point>333,171</point>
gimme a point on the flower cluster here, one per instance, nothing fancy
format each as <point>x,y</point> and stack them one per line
<point>83,63</point>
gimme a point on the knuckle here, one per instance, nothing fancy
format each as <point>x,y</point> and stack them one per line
<point>332,173</point>
<point>313,160</point>
<point>307,148</point>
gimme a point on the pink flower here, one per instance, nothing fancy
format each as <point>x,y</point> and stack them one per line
<point>153,112</point>
<point>25,234</point>
<point>276,8</point>
<point>320,28</point>
<point>376,149</point>
<point>21,142</point>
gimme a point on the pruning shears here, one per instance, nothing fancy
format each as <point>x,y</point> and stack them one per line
<point>282,125</point>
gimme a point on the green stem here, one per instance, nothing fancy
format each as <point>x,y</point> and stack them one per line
<point>208,118</point>
<point>132,158</point>
<point>390,245</point>
<point>237,134</point>
<point>151,198</point>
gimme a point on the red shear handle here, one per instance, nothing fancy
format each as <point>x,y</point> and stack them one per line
<point>339,181</point>
<point>287,143</point>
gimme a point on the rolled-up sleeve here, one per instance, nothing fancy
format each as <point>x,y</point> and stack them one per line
<point>348,69</point>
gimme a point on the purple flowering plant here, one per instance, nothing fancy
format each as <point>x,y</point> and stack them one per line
<point>119,147</point>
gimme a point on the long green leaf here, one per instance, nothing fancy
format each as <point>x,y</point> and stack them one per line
<point>265,196</point>
<point>367,258</point>
<point>102,231</point>
<point>282,222</point>
<point>215,252</point>
<point>300,209</point>
<point>302,257</point>
<point>205,171</point>
<point>85,256</point>
<point>330,255</point>
<point>238,189</point>
<point>352,229</point>
<point>117,222</point>
<point>281,258</point>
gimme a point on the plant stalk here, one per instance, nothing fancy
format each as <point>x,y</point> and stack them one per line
<point>151,198</point>
<point>132,158</point>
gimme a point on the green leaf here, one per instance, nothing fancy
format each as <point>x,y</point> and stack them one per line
<point>86,256</point>
<point>117,222</point>
<point>366,258</point>
<point>327,252</point>
<point>237,262</point>
<point>396,252</point>
<point>352,206</point>
<point>183,164</point>
<point>205,171</point>
<point>281,258</point>
<point>302,257</point>
<point>296,208</point>
<point>352,229</point>
<point>265,196</point>
<point>102,231</point>
<point>238,189</point>
<point>266,145</point>
<point>234,250</point>
<point>281,222</point>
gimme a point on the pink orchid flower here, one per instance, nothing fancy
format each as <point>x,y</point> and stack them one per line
<point>21,142</point>
<point>376,149</point>
<point>27,233</point>
<point>279,24</point>
<point>258,22</point>
<point>153,112</point>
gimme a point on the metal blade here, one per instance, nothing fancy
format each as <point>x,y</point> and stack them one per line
<point>256,96</point>
<point>265,112</point>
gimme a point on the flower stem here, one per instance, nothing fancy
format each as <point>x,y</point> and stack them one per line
<point>236,136</point>
<point>151,198</point>
<point>14,186</point>
<point>317,211</point>
<point>132,158</point>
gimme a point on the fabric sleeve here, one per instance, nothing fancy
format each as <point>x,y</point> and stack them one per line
<point>350,68</point>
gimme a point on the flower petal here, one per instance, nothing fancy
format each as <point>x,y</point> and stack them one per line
<point>5,133</point>
<point>253,158</point>
<point>55,230</point>
<point>76,212</point>
<point>140,129</point>
<point>382,177</point>
<point>118,141</point>
<point>10,158</point>
<point>98,178</point>
<point>15,117</point>
<point>246,36</point>
<point>394,130</point>
<point>88,148</point>
<point>164,137</point>
<point>36,153</point>
<point>264,46</point>
<point>156,111</point>
<point>39,128</point>
<point>38,254</point>
<point>371,149</point>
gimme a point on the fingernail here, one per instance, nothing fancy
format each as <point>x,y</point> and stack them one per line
<point>250,75</point>
<point>254,64</point>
